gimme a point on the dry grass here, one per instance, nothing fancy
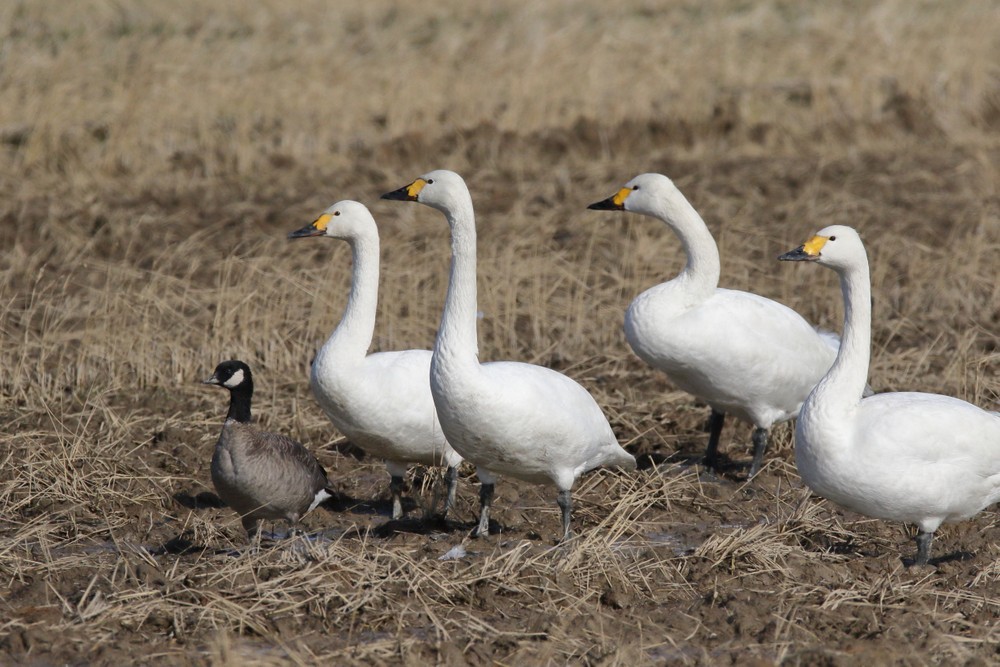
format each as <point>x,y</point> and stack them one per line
<point>152,158</point>
<point>224,91</point>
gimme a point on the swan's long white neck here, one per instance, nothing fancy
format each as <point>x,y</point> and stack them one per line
<point>700,276</point>
<point>456,339</point>
<point>844,384</point>
<point>353,336</point>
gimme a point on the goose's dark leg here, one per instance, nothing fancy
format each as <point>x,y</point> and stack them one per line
<point>565,500</point>
<point>923,548</point>
<point>396,488</point>
<point>485,500</point>
<point>715,422</point>
<point>451,480</point>
<point>759,447</point>
<point>252,526</point>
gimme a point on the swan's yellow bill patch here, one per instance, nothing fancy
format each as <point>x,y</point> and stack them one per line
<point>814,245</point>
<point>414,188</point>
<point>619,199</point>
<point>322,221</point>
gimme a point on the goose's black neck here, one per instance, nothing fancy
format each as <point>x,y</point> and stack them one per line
<point>239,402</point>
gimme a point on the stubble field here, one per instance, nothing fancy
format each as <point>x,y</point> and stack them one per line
<point>154,156</point>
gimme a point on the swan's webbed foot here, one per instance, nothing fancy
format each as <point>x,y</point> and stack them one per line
<point>396,489</point>
<point>759,447</point>
<point>485,500</point>
<point>715,422</point>
<point>565,500</point>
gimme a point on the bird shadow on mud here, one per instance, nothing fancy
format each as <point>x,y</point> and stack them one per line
<point>956,557</point>
<point>179,545</point>
<point>199,501</point>
<point>415,525</point>
<point>417,520</point>
<point>725,468</point>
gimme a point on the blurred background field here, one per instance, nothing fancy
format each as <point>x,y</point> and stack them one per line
<point>154,155</point>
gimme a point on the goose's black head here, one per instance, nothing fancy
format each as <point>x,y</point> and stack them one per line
<point>231,375</point>
<point>236,377</point>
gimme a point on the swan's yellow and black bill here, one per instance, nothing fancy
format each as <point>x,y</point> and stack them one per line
<point>407,192</point>
<point>316,228</point>
<point>807,252</point>
<point>613,203</point>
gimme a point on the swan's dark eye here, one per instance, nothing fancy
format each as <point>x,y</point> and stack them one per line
<point>833,238</point>
<point>430,181</point>
<point>336,212</point>
<point>635,187</point>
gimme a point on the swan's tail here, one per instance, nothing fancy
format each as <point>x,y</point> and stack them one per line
<point>622,460</point>
<point>611,457</point>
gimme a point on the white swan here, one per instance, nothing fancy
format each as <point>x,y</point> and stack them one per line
<point>381,402</point>
<point>740,353</point>
<point>507,418</point>
<point>905,456</point>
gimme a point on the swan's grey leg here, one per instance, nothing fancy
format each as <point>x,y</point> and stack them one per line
<point>396,488</point>
<point>565,500</point>
<point>759,447</point>
<point>451,480</point>
<point>485,500</point>
<point>715,422</point>
<point>923,548</point>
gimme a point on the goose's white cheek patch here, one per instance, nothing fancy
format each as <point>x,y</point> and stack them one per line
<point>236,379</point>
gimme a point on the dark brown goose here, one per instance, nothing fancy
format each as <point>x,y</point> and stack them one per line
<point>261,475</point>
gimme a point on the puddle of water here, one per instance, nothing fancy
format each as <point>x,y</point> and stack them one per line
<point>274,539</point>
<point>672,542</point>
<point>680,542</point>
<point>669,541</point>
<point>456,552</point>
<point>667,654</point>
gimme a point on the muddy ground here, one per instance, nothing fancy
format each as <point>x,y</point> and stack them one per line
<point>115,550</point>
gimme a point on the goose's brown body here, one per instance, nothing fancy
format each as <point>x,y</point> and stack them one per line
<point>265,475</point>
<point>259,474</point>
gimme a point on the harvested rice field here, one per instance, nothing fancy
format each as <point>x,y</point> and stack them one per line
<point>154,157</point>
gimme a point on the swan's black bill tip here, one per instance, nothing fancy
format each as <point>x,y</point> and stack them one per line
<point>608,204</point>
<point>798,255</point>
<point>402,194</point>
<point>308,230</point>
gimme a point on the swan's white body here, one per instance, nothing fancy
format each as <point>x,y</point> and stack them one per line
<point>522,420</point>
<point>741,353</point>
<point>381,405</point>
<point>905,456</point>
<point>507,418</point>
<point>382,402</point>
